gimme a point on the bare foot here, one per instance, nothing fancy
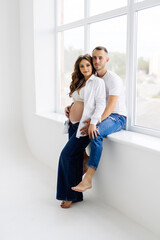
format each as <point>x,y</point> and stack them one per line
<point>66,204</point>
<point>82,186</point>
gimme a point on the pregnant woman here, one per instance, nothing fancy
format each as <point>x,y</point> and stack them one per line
<point>88,93</point>
<point>74,112</point>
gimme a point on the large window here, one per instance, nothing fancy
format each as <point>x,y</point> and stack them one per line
<point>107,32</point>
<point>102,6</point>
<point>148,69</point>
<point>70,45</point>
<point>129,30</point>
<point>69,11</point>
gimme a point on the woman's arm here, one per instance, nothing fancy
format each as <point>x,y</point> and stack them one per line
<point>67,110</point>
<point>100,98</point>
<point>112,100</point>
<point>100,101</point>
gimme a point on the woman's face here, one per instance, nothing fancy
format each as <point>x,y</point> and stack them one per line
<point>85,68</point>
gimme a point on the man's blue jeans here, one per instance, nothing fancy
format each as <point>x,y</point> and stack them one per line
<point>70,167</point>
<point>113,123</point>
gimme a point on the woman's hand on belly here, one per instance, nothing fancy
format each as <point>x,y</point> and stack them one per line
<point>76,111</point>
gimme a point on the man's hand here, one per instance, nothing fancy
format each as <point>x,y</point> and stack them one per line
<point>92,131</point>
<point>84,130</point>
<point>67,110</point>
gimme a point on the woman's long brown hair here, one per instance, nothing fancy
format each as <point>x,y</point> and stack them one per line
<point>77,76</point>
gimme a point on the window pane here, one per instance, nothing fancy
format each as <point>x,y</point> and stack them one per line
<point>101,6</point>
<point>114,39</point>
<point>70,46</point>
<point>148,69</point>
<point>70,10</point>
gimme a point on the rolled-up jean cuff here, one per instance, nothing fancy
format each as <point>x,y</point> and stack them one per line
<point>95,168</point>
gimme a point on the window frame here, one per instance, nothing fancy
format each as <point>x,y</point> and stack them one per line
<point>132,25</point>
<point>130,10</point>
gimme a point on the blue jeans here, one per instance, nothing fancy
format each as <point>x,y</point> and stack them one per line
<point>70,169</point>
<point>113,123</point>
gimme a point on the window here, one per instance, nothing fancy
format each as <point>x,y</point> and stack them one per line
<point>116,28</point>
<point>129,30</point>
<point>70,45</point>
<point>144,58</point>
<point>148,70</point>
<point>69,11</point>
<point>102,6</point>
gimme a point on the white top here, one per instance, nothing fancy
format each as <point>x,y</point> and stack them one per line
<point>78,96</point>
<point>114,86</point>
<point>94,102</point>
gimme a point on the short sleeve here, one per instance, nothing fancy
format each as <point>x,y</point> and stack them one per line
<point>115,85</point>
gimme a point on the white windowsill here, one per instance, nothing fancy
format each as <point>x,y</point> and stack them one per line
<point>127,137</point>
<point>53,116</point>
<point>137,139</point>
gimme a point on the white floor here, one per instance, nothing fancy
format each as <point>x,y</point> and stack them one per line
<point>29,211</point>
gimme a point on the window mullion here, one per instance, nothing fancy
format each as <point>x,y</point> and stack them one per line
<point>145,4</point>
<point>86,26</point>
<point>57,87</point>
<point>130,62</point>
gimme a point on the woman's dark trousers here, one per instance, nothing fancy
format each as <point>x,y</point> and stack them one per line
<point>70,169</point>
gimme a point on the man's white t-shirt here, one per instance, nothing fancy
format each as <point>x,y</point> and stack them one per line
<point>114,86</point>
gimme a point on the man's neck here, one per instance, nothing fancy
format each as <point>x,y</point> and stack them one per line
<point>101,73</point>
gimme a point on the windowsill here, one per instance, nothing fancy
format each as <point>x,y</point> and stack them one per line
<point>53,116</point>
<point>137,139</point>
<point>127,137</point>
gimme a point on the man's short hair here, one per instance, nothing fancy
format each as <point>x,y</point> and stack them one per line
<point>100,48</point>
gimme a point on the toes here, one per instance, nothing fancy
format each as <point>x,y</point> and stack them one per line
<point>65,204</point>
<point>77,189</point>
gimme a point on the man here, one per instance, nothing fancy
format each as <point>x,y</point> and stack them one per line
<point>113,119</point>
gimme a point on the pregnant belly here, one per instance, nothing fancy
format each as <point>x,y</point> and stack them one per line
<point>76,111</point>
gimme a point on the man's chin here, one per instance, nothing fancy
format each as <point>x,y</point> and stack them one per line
<point>97,68</point>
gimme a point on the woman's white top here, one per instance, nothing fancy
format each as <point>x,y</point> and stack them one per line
<point>78,96</point>
<point>94,102</point>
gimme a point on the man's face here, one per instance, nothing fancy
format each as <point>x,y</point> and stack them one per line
<point>100,59</point>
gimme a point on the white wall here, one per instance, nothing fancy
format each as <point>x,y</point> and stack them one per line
<point>40,132</point>
<point>128,179</point>
<point>10,87</point>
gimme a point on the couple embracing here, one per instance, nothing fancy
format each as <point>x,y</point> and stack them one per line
<point>98,109</point>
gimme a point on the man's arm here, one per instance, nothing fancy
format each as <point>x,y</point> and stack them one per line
<point>112,100</point>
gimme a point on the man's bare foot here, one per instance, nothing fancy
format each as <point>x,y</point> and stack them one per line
<point>66,204</point>
<point>82,186</point>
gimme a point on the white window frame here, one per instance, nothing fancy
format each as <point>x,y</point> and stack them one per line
<point>131,49</point>
<point>132,64</point>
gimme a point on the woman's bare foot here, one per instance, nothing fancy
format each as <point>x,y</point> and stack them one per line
<point>82,186</point>
<point>66,204</point>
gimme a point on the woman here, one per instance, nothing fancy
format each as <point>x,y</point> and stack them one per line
<point>87,88</point>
